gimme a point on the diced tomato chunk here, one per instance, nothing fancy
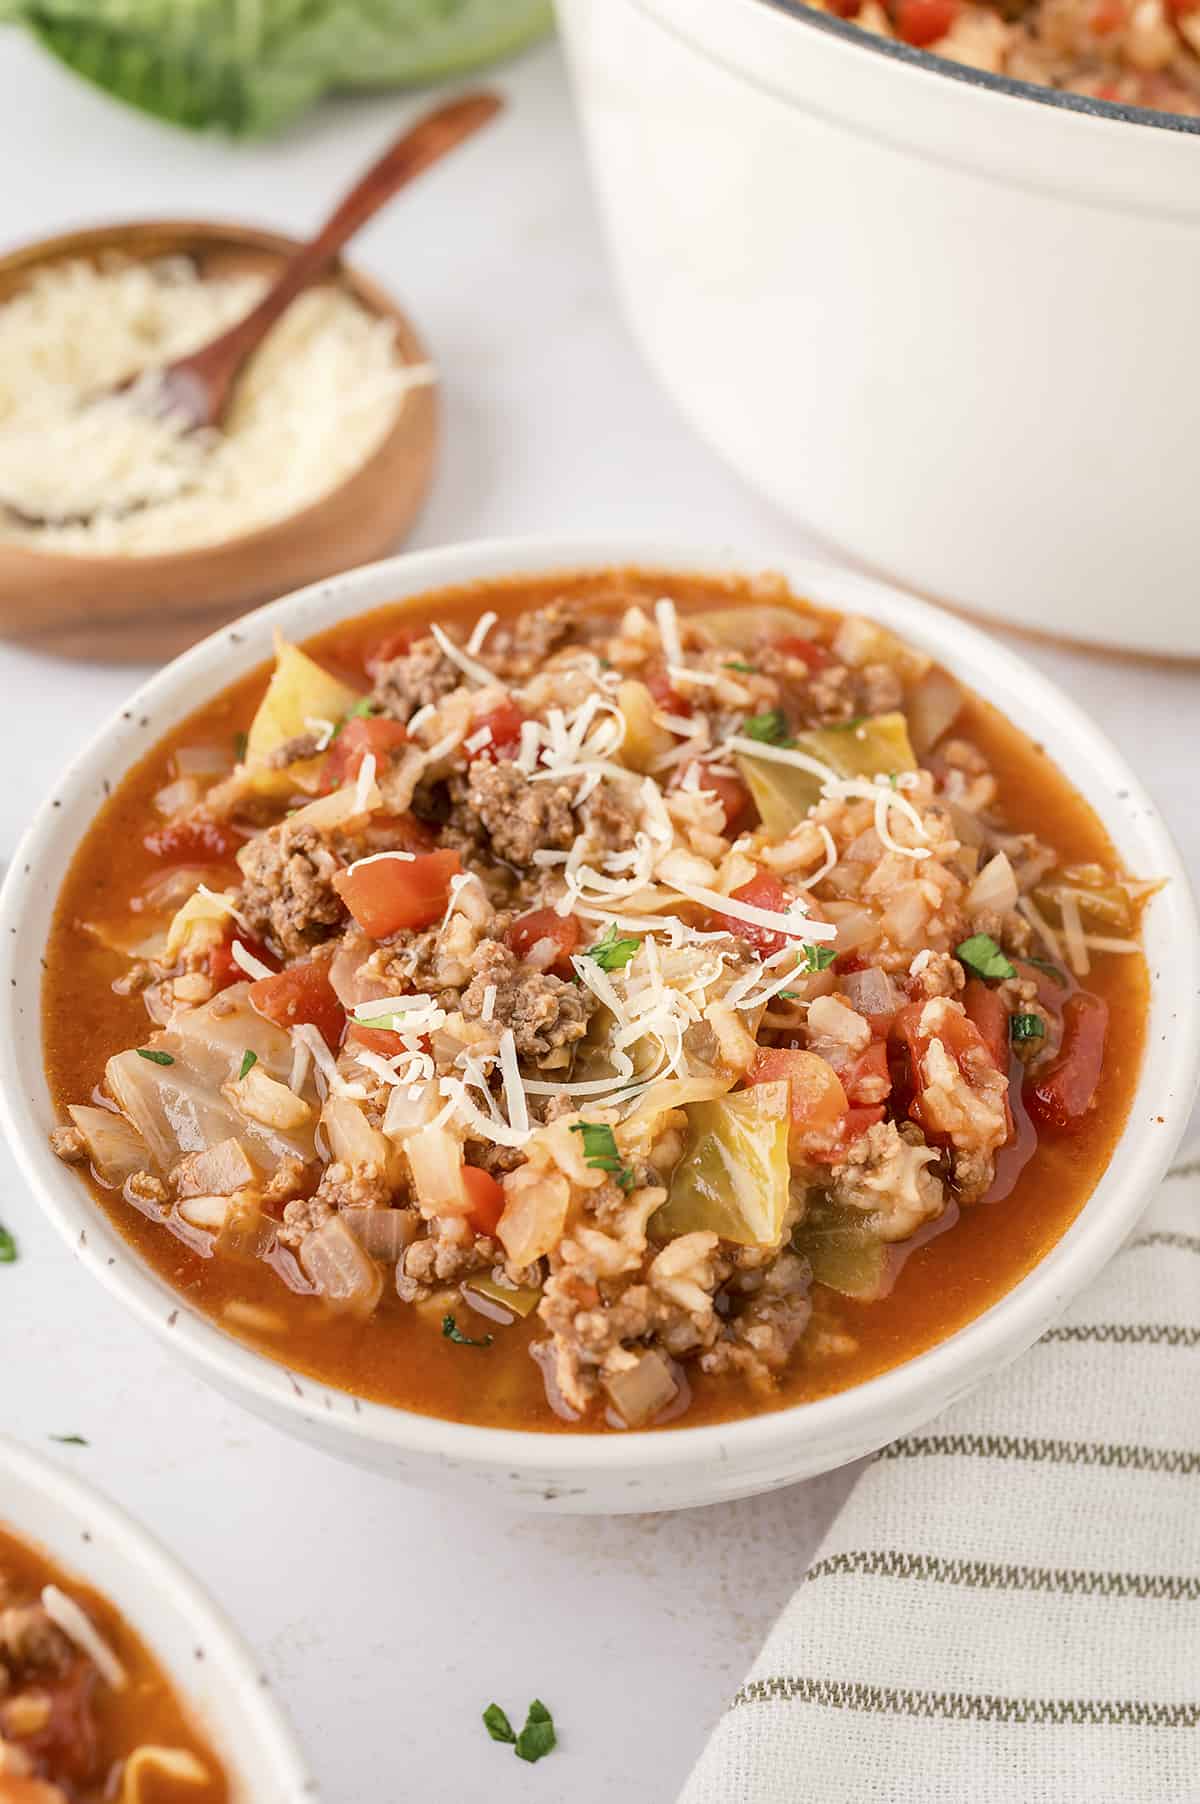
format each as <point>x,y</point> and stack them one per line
<point>393,893</point>
<point>486,1198</point>
<point>1106,17</point>
<point>730,791</point>
<point>764,890</point>
<point>400,833</point>
<point>863,1078</point>
<point>382,1040</point>
<point>223,968</point>
<point>818,1101</point>
<point>1052,989</point>
<point>1062,1096</point>
<point>504,722</point>
<point>545,924</point>
<point>197,839</point>
<point>985,1008</point>
<point>794,646</point>
<point>657,679</point>
<point>394,646</point>
<point>301,993</point>
<point>364,733</point>
<point>922,22</point>
<point>853,1125</point>
<point>962,1040</point>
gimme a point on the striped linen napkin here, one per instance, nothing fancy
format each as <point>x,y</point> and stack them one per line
<point>1008,1606</point>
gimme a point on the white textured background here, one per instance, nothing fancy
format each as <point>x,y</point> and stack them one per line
<point>388,1618</point>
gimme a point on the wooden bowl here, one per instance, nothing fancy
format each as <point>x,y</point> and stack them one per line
<point>122,608</point>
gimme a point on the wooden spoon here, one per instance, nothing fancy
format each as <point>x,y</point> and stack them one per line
<point>196,389</point>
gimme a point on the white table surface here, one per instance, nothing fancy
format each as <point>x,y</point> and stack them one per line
<point>387,1617</point>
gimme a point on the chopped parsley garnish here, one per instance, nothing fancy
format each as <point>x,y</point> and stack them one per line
<point>739,664</point>
<point>241,744</point>
<point>360,711</point>
<point>770,728</point>
<point>816,958</point>
<point>536,1738</point>
<point>452,1331</point>
<point>600,1151</point>
<point>8,1248</point>
<point>982,955</point>
<point>1026,1027</point>
<point>614,951</point>
<point>497,1724</point>
<point>70,1440</point>
<point>155,1057</point>
<point>1051,970</point>
<point>847,726</point>
<point>249,1061</point>
<point>787,995</point>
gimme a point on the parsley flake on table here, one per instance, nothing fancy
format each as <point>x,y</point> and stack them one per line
<point>770,728</point>
<point>614,951</point>
<point>452,1331</point>
<point>982,955</point>
<point>497,1724</point>
<point>601,1152</point>
<point>536,1739</point>
<point>70,1440</point>
<point>8,1248</point>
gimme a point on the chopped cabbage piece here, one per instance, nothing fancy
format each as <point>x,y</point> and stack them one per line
<point>733,1176</point>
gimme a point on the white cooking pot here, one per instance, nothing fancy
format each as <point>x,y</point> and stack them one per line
<point>950,321</point>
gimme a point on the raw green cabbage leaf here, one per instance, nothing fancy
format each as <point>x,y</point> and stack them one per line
<point>251,66</point>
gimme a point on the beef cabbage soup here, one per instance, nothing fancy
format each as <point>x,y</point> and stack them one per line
<point>595,1002</point>
<point>87,1716</point>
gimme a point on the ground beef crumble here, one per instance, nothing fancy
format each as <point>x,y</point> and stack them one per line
<point>287,889</point>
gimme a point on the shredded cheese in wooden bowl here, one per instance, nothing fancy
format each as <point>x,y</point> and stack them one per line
<point>104,477</point>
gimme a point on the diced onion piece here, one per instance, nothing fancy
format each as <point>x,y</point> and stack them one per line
<point>639,1393</point>
<point>435,1157</point>
<point>994,888</point>
<point>339,1269</point>
<point>200,923</point>
<point>175,797</point>
<point>353,1140</point>
<point>870,992</point>
<point>266,1100</point>
<point>736,1045</point>
<point>829,1019</point>
<point>217,1171</point>
<point>932,705</point>
<point>203,760</point>
<point>409,1108</point>
<point>207,1212</point>
<point>383,1233</point>
<point>535,1213</point>
<point>856,926</point>
<point>114,1146</point>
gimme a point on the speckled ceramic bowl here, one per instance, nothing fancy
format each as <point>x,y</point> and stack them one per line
<point>633,1471</point>
<point>212,1670</point>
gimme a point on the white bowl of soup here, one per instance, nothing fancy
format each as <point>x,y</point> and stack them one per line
<point>597,1024</point>
<point>120,1679</point>
<point>941,315</point>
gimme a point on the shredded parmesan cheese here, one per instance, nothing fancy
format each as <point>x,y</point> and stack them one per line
<point>109,472</point>
<point>253,967</point>
<point>478,673</point>
<point>480,631</point>
<point>78,1627</point>
<point>381,858</point>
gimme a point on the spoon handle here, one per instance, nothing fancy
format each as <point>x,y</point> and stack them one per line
<point>215,365</point>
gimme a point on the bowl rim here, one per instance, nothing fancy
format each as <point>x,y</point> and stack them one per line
<point>1089,105</point>
<point>1169,1073</point>
<point>116,235</point>
<point>148,1560</point>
